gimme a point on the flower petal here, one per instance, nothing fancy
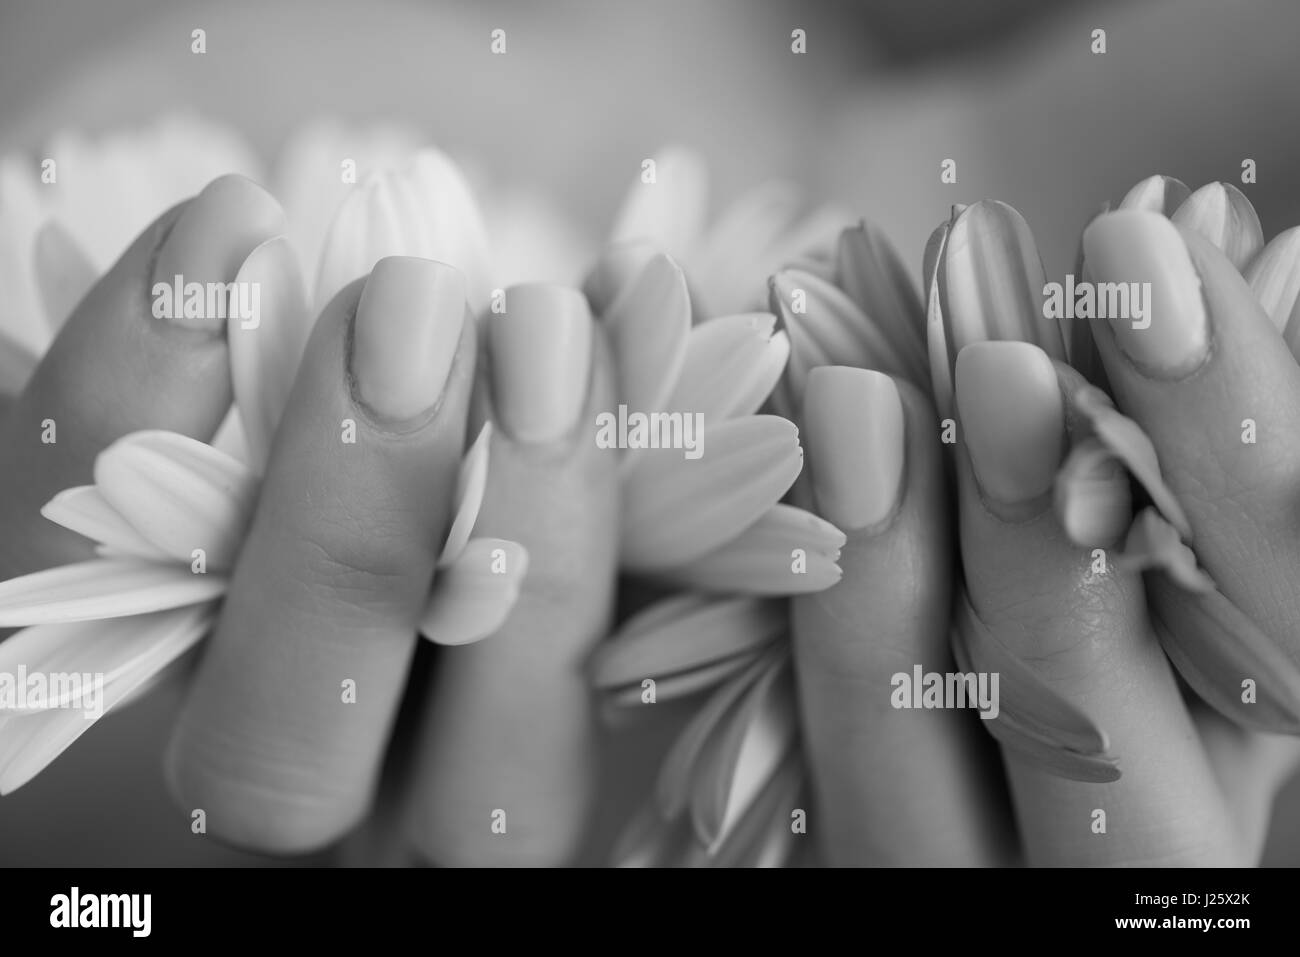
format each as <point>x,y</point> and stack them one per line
<point>264,357</point>
<point>1032,717</point>
<point>179,493</point>
<point>942,359</point>
<point>669,210</point>
<point>112,649</point>
<point>618,265</point>
<point>1222,214</point>
<point>1093,500</point>
<point>764,837</point>
<point>684,633</point>
<point>870,271</point>
<point>650,840</point>
<point>474,595</point>
<point>648,327</point>
<point>680,685</point>
<point>731,366</point>
<point>102,588</point>
<point>673,785</point>
<point>84,510</point>
<point>991,280</point>
<point>1153,543</point>
<point>1158,194</point>
<point>762,560</point>
<point>743,755</point>
<point>1217,648</point>
<point>1125,439</point>
<point>1274,277</point>
<point>471,483</point>
<point>676,509</point>
<point>28,744</point>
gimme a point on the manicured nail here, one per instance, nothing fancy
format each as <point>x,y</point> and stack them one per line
<point>856,440</point>
<point>212,237</point>
<point>1172,336</point>
<point>541,360</point>
<point>1012,417</point>
<point>407,331</point>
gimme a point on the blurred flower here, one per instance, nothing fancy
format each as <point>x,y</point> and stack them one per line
<point>726,263</point>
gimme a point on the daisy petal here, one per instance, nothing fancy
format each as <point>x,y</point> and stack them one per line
<point>651,840</point>
<point>941,358</point>
<point>102,588</point>
<point>28,744</point>
<point>1032,718</point>
<point>84,510</point>
<point>669,210</point>
<point>1274,278</point>
<point>680,685</point>
<point>1153,543</point>
<point>1125,440</point>
<point>17,363</point>
<point>471,483</point>
<point>731,365</point>
<point>1092,497</point>
<point>473,595</point>
<point>764,837</point>
<point>648,328</point>
<point>619,264</point>
<point>1222,214</point>
<point>1157,194</point>
<point>264,357</point>
<point>673,786</point>
<point>743,755</point>
<point>110,648</point>
<point>872,274</point>
<point>764,559</point>
<point>680,634</point>
<point>1217,648</point>
<point>676,509</point>
<point>179,493</point>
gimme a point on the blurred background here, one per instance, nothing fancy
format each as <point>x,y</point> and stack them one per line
<point>558,127</point>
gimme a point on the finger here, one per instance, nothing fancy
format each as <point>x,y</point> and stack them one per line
<point>1208,361</point>
<point>281,739</point>
<point>892,786</point>
<point>507,740</point>
<point>115,368</point>
<point>1251,768</point>
<point>1083,636</point>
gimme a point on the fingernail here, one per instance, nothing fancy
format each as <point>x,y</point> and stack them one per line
<point>541,360</point>
<point>1172,337</point>
<point>407,331</point>
<point>212,237</point>
<point>1012,418</point>
<point>853,420</point>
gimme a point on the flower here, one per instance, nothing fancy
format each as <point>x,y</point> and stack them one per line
<point>168,513</point>
<point>727,262</point>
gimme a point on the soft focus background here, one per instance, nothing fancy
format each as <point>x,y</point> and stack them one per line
<point>558,128</point>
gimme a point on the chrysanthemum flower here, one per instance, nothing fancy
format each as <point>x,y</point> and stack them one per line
<point>169,513</point>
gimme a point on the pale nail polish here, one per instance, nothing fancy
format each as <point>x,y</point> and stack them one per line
<point>407,331</point>
<point>855,434</point>
<point>541,360</point>
<point>1172,338</point>
<point>1012,418</point>
<point>213,236</point>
